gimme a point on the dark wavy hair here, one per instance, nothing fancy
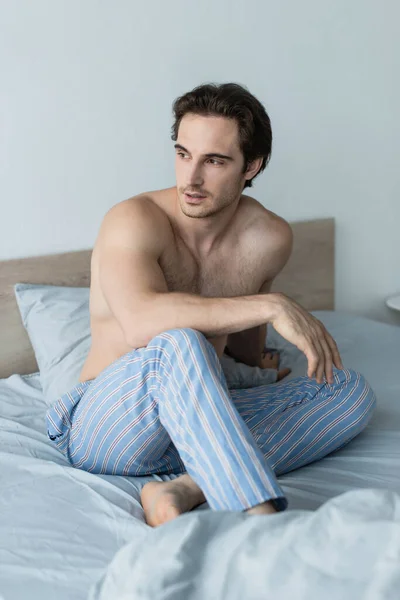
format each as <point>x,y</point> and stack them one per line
<point>233,101</point>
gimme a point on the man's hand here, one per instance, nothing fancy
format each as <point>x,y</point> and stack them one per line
<point>306,332</point>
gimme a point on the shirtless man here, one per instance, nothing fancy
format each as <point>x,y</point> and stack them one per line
<point>177,275</point>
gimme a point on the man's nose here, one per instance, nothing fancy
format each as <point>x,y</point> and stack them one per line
<point>195,175</point>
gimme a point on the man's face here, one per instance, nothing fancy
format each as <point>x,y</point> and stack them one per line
<point>209,164</point>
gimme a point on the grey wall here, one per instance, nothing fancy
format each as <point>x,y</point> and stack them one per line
<point>85,109</point>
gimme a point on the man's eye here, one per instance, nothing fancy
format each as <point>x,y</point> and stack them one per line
<point>215,162</point>
<point>181,154</point>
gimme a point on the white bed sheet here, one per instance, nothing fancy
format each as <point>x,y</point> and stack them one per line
<point>60,527</point>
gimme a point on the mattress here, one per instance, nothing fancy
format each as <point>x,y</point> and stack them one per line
<point>60,527</point>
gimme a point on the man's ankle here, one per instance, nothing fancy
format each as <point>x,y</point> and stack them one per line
<point>266,508</point>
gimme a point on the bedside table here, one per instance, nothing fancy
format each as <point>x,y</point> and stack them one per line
<point>393,302</point>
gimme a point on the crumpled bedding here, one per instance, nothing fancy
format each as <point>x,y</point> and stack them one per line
<point>348,549</point>
<point>61,527</point>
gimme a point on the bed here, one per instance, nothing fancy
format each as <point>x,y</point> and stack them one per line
<point>68,534</point>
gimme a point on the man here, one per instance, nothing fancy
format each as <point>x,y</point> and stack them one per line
<point>177,276</point>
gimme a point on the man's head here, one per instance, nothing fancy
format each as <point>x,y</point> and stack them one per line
<point>223,140</point>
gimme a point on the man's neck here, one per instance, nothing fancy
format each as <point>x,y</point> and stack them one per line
<point>203,235</point>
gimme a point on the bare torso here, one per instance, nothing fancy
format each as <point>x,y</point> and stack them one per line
<point>237,267</point>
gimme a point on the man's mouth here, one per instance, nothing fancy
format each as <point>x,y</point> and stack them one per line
<point>195,197</point>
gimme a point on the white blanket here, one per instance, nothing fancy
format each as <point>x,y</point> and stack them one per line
<point>349,549</point>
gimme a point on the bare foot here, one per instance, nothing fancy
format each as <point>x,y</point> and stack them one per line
<point>271,361</point>
<point>282,373</point>
<point>163,501</point>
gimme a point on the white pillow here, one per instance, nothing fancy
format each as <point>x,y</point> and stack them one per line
<point>58,324</point>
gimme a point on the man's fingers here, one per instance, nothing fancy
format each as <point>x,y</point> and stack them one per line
<point>312,358</point>
<point>319,376</point>
<point>331,352</point>
<point>337,361</point>
<point>328,361</point>
<point>320,361</point>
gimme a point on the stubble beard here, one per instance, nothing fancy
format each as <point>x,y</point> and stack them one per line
<point>199,211</point>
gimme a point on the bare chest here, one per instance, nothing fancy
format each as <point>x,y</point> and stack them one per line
<point>232,273</point>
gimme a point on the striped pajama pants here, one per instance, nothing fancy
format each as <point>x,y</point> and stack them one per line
<point>166,408</point>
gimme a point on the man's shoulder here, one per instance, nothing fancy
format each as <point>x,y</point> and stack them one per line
<point>146,208</point>
<point>133,216</point>
<point>266,226</point>
<point>270,237</point>
<point>145,203</point>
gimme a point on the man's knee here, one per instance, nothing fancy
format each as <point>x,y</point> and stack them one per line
<point>357,398</point>
<point>180,339</point>
<point>181,334</point>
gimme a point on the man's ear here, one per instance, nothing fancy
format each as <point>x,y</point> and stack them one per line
<point>252,168</point>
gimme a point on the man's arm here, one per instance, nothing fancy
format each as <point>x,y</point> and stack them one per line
<point>247,346</point>
<point>132,239</point>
